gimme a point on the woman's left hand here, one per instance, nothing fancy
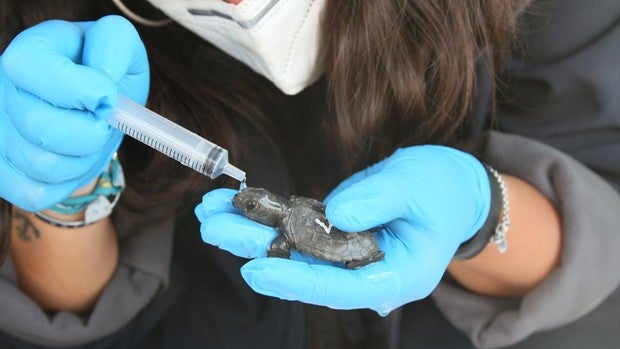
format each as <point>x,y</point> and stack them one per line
<point>428,199</point>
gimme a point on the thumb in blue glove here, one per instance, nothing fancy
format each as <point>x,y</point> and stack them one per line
<point>429,199</point>
<point>58,82</point>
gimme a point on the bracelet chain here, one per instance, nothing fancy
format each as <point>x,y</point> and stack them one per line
<point>499,237</point>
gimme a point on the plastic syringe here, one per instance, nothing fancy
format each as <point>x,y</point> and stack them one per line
<point>172,140</point>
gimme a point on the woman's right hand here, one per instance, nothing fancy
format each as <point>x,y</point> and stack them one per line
<point>58,83</point>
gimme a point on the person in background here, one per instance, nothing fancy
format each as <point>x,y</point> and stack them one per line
<point>413,89</point>
<point>448,125</point>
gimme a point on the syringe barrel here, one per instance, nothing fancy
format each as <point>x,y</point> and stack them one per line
<point>169,138</point>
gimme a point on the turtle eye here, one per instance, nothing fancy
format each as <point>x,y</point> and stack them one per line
<point>250,205</point>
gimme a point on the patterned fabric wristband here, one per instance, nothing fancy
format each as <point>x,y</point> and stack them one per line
<point>96,205</point>
<point>496,226</point>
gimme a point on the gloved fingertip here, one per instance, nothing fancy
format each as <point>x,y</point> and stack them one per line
<point>199,212</point>
<point>252,269</point>
<point>116,23</point>
<point>208,237</point>
<point>214,201</point>
<point>124,52</point>
<point>205,210</point>
<point>104,106</point>
<point>340,219</point>
<point>257,276</point>
<point>218,197</point>
<point>347,216</point>
<point>382,311</point>
<point>271,276</point>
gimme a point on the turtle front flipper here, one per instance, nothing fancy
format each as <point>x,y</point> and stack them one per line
<point>280,247</point>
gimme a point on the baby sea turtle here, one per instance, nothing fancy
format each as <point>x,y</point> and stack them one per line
<point>303,226</point>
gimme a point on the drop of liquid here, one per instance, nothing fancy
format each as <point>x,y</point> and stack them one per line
<point>243,185</point>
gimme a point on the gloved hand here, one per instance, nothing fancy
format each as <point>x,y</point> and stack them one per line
<point>429,199</point>
<point>58,83</point>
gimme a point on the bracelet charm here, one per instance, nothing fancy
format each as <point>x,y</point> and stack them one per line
<point>96,205</point>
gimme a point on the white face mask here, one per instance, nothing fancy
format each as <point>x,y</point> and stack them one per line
<point>277,38</point>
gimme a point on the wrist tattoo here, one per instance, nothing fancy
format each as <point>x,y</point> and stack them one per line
<point>26,231</point>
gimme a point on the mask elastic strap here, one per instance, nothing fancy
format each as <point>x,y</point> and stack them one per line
<point>139,19</point>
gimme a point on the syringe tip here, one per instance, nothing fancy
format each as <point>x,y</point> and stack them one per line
<point>234,172</point>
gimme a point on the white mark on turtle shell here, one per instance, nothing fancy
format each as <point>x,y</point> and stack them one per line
<point>327,228</point>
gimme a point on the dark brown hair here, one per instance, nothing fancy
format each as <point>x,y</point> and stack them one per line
<point>402,72</point>
<point>192,83</point>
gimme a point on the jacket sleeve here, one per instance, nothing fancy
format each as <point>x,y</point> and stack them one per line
<point>588,273</point>
<point>560,132</point>
<point>143,271</point>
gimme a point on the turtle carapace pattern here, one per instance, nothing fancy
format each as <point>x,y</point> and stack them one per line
<point>303,226</point>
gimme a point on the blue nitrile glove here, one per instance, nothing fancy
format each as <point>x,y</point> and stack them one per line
<point>429,199</point>
<point>58,82</point>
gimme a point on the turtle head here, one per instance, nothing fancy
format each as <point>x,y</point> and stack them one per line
<point>261,205</point>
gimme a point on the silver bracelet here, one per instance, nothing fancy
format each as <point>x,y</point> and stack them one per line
<point>499,237</point>
<point>496,225</point>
